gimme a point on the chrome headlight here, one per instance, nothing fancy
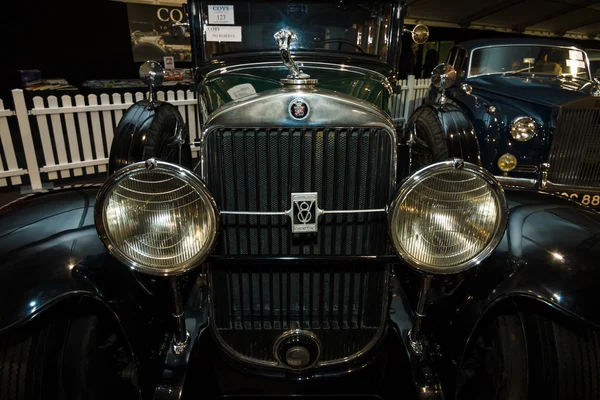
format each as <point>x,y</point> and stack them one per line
<point>448,217</point>
<point>157,218</point>
<point>523,128</point>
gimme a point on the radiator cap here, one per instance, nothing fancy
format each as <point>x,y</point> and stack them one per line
<point>297,349</point>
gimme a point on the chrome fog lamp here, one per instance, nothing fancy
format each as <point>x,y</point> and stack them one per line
<point>523,128</point>
<point>447,217</point>
<point>507,162</point>
<point>157,218</point>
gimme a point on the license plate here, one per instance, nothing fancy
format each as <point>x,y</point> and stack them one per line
<point>592,200</point>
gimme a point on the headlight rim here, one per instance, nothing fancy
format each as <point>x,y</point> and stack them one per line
<point>190,178</point>
<point>410,182</point>
<point>520,119</point>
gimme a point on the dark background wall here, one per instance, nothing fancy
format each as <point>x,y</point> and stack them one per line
<point>89,39</point>
<point>72,39</point>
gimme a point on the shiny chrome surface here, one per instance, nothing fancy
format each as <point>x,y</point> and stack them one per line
<point>575,151</point>
<point>328,109</point>
<point>181,337</point>
<point>152,74</point>
<point>517,182</point>
<point>154,241</point>
<point>427,382</point>
<point>523,128</point>
<point>284,38</point>
<point>297,333</point>
<point>420,33</point>
<point>416,335</point>
<point>317,211</point>
<point>455,175</point>
<point>443,77</point>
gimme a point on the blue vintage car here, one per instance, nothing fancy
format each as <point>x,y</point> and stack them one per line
<point>533,106</point>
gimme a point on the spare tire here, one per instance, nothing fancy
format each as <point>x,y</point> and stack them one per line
<point>430,143</point>
<point>150,131</point>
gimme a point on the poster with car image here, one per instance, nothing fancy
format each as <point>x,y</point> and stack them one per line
<point>149,26</point>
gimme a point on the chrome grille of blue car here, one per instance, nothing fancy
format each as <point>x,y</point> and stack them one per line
<point>575,152</point>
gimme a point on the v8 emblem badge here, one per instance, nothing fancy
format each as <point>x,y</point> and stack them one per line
<point>304,213</point>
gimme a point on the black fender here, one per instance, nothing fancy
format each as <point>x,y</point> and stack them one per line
<point>150,129</point>
<point>549,255</point>
<point>50,254</point>
<point>458,129</point>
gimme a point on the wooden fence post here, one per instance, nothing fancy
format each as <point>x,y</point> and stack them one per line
<point>27,139</point>
<point>6,144</point>
<point>409,103</point>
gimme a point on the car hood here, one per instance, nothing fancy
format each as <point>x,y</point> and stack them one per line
<point>549,91</point>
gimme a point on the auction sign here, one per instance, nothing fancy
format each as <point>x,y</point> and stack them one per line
<point>150,36</point>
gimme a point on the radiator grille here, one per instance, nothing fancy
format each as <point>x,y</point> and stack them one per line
<point>342,306</point>
<point>575,152</point>
<point>258,169</point>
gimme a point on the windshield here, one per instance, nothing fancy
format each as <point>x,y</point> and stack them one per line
<point>529,60</point>
<point>351,27</point>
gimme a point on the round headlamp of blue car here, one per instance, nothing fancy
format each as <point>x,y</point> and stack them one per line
<point>448,217</point>
<point>157,218</point>
<point>523,128</point>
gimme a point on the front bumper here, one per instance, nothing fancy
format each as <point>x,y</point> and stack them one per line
<point>586,195</point>
<point>546,186</point>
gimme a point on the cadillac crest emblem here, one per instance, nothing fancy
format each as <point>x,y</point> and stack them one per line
<point>298,109</point>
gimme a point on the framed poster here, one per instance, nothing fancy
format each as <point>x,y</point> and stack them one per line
<point>150,37</point>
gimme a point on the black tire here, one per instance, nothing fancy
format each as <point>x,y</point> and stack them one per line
<point>64,359</point>
<point>431,145</point>
<point>532,356</point>
<point>150,132</point>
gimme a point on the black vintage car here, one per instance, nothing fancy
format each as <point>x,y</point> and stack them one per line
<point>535,109</point>
<point>302,254</point>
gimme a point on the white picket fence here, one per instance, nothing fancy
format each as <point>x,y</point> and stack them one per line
<point>413,93</point>
<point>71,136</point>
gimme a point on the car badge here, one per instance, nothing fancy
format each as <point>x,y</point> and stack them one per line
<point>304,213</point>
<point>298,109</point>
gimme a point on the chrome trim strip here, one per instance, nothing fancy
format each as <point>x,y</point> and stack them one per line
<point>324,65</point>
<point>517,182</point>
<point>549,186</point>
<point>319,212</point>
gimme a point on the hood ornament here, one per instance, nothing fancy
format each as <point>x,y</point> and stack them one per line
<point>296,77</point>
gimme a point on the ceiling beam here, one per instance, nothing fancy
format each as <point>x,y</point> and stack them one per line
<point>575,25</point>
<point>567,8</point>
<point>501,5</point>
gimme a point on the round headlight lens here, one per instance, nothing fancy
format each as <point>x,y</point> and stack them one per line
<point>157,218</point>
<point>523,129</point>
<point>447,217</point>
